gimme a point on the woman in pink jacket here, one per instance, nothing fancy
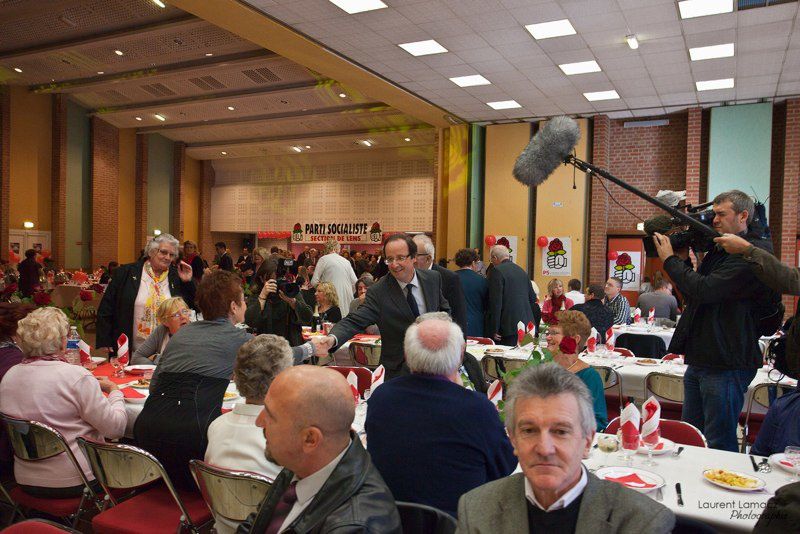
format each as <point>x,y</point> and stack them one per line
<point>45,388</point>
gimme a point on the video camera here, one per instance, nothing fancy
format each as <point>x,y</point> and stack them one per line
<point>681,235</point>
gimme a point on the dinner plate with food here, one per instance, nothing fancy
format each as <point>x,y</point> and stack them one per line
<point>631,477</point>
<point>230,396</point>
<point>733,480</point>
<point>648,362</point>
<point>142,383</point>
<point>494,351</point>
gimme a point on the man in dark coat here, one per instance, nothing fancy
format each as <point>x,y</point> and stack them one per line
<point>600,316</point>
<point>511,298</point>
<point>29,270</point>
<point>451,283</point>
<point>224,261</point>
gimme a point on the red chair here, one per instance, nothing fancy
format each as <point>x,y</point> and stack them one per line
<point>669,391</point>
<point>625,352</point>
<point>159,508</point>
<point>37,526</point>
<point>363,374</point>
<point>751,422</point>
<point>677,431</point>
<point>481,340</point>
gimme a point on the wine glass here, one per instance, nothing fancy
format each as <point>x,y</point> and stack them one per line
<point>114,361</point>
<point>122,361</point>
<point>607,444</point>
<point>793,456</point>
<point>651,441</point>
<point>629,448</point>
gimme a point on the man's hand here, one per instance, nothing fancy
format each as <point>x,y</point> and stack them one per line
<point>185,271</point>
<point>733,244</point>
<point>322,344</point>
<point>663,246</point>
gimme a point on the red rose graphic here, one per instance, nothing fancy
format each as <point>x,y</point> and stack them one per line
<point>623,259</point>
<point>503,241</point>
<point>555,245</point>
<point>297,227</point>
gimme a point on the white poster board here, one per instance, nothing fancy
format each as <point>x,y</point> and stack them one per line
<point>557,257</point>
<point>628,267</point>
<point>510,241</point>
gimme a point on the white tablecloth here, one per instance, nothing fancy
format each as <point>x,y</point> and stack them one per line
<point>663,333</point>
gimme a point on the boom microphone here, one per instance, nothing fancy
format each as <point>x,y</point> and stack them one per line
<point>658,223</point>
<point>547,150</point>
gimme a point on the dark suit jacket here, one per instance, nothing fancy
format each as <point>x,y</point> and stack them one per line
<point>115,313</point>
<point>511,299</point>
<point>454,293</point>
<point>385,305</point>
<point>476,294</point>
<point>226,262</point>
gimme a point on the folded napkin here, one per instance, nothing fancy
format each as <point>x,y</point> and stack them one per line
<point>629,424</point>
<point>85,352</point>
<point>378,375</point>
<point>637,315</point>
<point>525,333</point>
<point>591,344</point>
<point>366,337</point>
<point>131,393</point>
<point>651,316</point>
<point>495,392</point>
<point>658,447</point>
<point>633,481</point>
<point>352,379</point>
<point>651,418</point>
<point>610,339</point>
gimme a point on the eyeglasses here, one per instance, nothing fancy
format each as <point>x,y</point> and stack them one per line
<point>398,259</point>
<point>167,253</point>
<point>182,313</point>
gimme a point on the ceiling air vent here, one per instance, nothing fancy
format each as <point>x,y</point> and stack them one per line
<point>262,75</point>
<point>158,89</point>
<point>207,83</point>
<point>114,96</point>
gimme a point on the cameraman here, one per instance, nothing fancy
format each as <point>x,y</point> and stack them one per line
<point>718,332</point>
<point>273,312</point>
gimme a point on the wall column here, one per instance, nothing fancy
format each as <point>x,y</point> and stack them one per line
<point>598,214</point>
<point>140,230</point>
<point>105,191</point>
<point>5,168</point>
<point>179,165</point>
<point>59,178</point>
<point>206,243</point>
<point>791,180</point>
<point>693,150</point>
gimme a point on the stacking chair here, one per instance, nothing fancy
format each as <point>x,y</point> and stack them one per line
<point>33,441</point>
<point>493,366</point>
<point>647,346</point>
<point>669,389</point>
<point>421,519</point>
<point>677,431</point>
<point>159,507</point>
<point>611,380</point>
<point>363,374</point>
<point>11,504</point>
<point>751,422</point>
<point>365,354</point>
<point>38,526</point>
<point>481,340</point>
<point>232,495</point>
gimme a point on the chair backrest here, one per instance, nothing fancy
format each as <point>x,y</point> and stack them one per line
<point>363,374</point>
<point>611,380</point>
<point>422,519</point>
<point>231,494</point>
<point>761,395</point>
<point>38,526</point>
<point>365,354</point>
<point>481,340</point>
<point>677,431</point>
<point>493,366</point>
<point>117,466</point>
<point>666,386</point>
<point>33,441</point>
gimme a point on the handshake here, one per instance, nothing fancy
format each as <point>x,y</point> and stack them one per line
<point>322,344</point>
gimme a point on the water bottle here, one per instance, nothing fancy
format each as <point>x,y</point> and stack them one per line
<point>72,354</point>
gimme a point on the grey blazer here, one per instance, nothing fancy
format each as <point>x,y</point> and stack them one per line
<point>500,507</point>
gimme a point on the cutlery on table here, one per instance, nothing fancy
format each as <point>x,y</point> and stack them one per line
<point>755,465</point>
<point>764,466</point>
<point>677,452</point>
<point>680,495</point>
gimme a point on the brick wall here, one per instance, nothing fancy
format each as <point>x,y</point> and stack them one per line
<point>791,181</point>
<point>105,191</point>
<point>693,149</point>
<point>140,208</point>
<point>179,166</point>
<point>598,207</point>
<point>206,243</point>
<point>5,168</point>
<point>59,179</point>
<point>776,174</point>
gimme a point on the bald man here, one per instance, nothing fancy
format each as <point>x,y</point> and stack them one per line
<point>328,482</point>
<point>441,439</point>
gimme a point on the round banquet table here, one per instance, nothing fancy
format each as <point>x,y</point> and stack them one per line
<point>667,333</point>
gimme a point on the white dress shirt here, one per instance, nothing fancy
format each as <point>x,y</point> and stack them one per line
<point>308,488</point>
<point>565,500</point>
<point>416,292</point>
<point>576,297</point>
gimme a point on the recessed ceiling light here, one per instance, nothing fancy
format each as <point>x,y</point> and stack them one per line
<point>407,139</point>
<point>470,81</point>
<point>700,8</point>
<point>504,104</point>
<point>138,118</point>
<point>423,48</point>
<point>546,30</point>
<point>341,95</point>
<point>358,6</point>
<point>209,54</point>
<point>119,52</point>
<point>581,67</point>
<point>100,72</point>
<point>366,143</point>
<point>297,149</point>
<point>308,146</point>
<point>17,69</point>
<point>633,42</point>
<point>231,108</point>
<point>601,95</point>
<point>711,52</point>
<point>224,153</point>
<point>710,85</point>
<point>160,117</point>
<point>159,3</point>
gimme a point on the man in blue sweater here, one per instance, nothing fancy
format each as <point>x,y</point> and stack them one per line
<point>431,439</point>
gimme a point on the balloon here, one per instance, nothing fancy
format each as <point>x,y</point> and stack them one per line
<point>46,254</point>
<point>612,256</point>
<point>542,241</point>
<point>490,240</point>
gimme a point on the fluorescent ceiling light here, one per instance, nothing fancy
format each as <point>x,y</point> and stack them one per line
<point>710,85</point>
<point>119,52</point>
<point>633,42</point>
<point>423,48</point>
<point>601,95</point>
<point>308,146</point>
<point>358,6</point>
<point>700,8</point>
<point>160,117</point>
<point>546,30</point>
<point>582,67</point>
<point>159,3</point>
<point>100,72</point>
<point>711,52</point>
<point>470,81</point>
<point>209,54</point>
<point>17,69</point>
<point>504,104</point>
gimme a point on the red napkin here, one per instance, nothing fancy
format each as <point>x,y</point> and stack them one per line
<point>520,335</point>
<point>610,339</point>
<point>366,337</point>
<point>632,481</point>
<point>591,343</point>
<point>787,464</point>
<point>225,410</point>
<point>656,448</point>
<point>130,393</point>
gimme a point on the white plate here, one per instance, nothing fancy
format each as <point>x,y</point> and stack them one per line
<point>138,370</point>
<point>617,472</point>
<point>761,484</point>
<point>136,401</point>
<point>99,359</point>
<point>669,445</point>
<point>648,364</point>
<point>779,457</point>
<point>229,398</point>
<point>473,342</point>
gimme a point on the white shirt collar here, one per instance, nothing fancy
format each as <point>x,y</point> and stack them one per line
<point>242,408</point>
<point>308,487</point>
<point>414,281</point>
<point>565,500</point>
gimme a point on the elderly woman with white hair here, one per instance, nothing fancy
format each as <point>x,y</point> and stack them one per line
<point>45,388</point>
<point>130,303</point>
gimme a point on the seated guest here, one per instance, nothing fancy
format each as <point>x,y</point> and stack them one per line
<point>616,301</point>
<point>555,300</point>
<point>781,426</point>
<point>782,513</point>
<point>476,291</point>
<point>328,483</point>
<point>45,388</point>
<point>234,440</point>
<point>431,439</point>
<point>550,422</point>
<point>10,355</point>
<point>273,312</point>
<point>362,285</point>
<point>328,303</point>
<point>574,293</point>
<point>660,298</point>
<point>566,338</point>
<point>173,314</point>
<point>600,317</point>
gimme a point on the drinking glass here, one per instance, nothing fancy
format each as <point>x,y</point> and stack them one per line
<point>629,448</point>
<point>793,456</point>
<point>607,444</point>
<point>117,367</point>
<point>122,361</point>
<point>650,441</point>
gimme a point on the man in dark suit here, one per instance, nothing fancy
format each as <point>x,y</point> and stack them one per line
<point>245,261</point>
<point>600,316</point>
<point>451,283</point>
<point>511,298</point>
<point>225,262</point>
<point>394,302</point>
